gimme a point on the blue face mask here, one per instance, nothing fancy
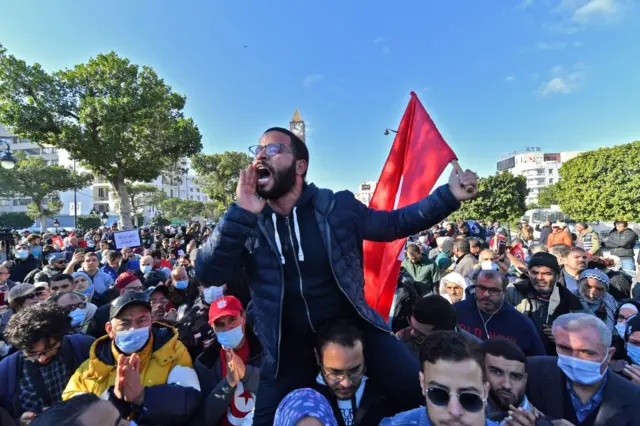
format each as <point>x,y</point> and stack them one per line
<point>36,251</point>
<point>181,285</point>
<point>146,269</point>
<point>580,370</point>
<point>633,352</point>
<point>91,243</point>
<point>211,294</point>
<point>621,328</point>
<point>22,254</point>
<point>230,339</point>
<point>131,341</point>
<point>77,317</point>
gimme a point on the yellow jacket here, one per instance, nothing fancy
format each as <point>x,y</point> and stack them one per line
<point>165,402</point>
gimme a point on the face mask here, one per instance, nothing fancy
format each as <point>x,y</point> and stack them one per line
<point>211,294</point>
<point>131,341</point>
<point>230,339</point>
<point>633,352</point>
<point>181,285</point>
<point>579,370</point>
<point>77,317</point>
<point>89,290</point>
<point>621,328</point>
<point>91,243</point>
<point>36,250</point>
<point>22,254</point>
<point>146,269</point>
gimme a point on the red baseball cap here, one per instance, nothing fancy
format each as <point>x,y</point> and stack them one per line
<point>226,305</point>
<point>125,278</point>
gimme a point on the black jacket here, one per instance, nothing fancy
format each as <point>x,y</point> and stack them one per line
<point>21,268</point>
<point>374,405</point>
<point>100,318</point>
<point>622,243</point>
<point>546,390</point>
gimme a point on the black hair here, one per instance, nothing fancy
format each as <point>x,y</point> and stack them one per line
<point>435,310</point>
<point>298,147</point>
<point>576,249</point>
<point>449,346</point>
<point>504,348</point>
<point>66,413</point>
<point>474,242</point>
<point>43,321</point>
<point>462,245</point>
<point>152,279</point>
<point>60,277</point>
<point>491,274</point>
<point>560,250</point>
<point>156,254</point>
<point>342,332</point>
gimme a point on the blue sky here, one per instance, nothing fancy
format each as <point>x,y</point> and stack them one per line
<point>496,76</point>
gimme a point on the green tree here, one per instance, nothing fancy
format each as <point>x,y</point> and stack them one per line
<point>87,222</point>
<point>186,210</point>
<point>218,174</point>
<point>213,210</point>
<point>501,197</point>
<point>15,220</point>
<point>160,221</point>
<point>549,195</point>
<point>119,120</point>
<point>32,178</point>
<point>602,185</point>
<point>142,195</point>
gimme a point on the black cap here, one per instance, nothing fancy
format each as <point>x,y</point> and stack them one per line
<point>163,288</point>
<point>129,299</point>
<point>544,259</point>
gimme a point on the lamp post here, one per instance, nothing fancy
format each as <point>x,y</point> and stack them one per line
<point>104,218</point>
<point>56,224</point>
<point>387,131</point>
<point>6,159</point>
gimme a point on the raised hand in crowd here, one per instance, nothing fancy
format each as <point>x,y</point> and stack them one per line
<point>128,386</point>
<point>246,192</point>
<point>235,368</point>
<point>463,184</point>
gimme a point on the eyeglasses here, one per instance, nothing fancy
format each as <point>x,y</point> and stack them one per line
<point>271,149</point>
<point>34,356</point>
<point>136,289</point>
<point>623,318</point>
<point>161,302</point>
<point>73,307</point>
<point>337,378</point>
<point>471,402</point>
<point>491,291</point>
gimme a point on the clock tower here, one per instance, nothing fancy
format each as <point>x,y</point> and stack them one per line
<point>296,125</point>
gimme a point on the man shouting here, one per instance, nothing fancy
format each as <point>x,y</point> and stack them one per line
<point>301,247</point>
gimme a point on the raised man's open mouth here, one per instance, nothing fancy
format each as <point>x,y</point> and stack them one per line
<point>264,174</point>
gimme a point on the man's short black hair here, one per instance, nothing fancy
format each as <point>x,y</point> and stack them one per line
<point>43,321</point>
<point>448,346</point>
<point>492,275</point>
<point>156,254</point>
<point>342,332</point>
<point>560,250</point>
<point>60,277</point>
<point>505,348</point>
<point>435,310</point>
<point>474,242</point>
<point>66,413</point>
<point>298,147</point>
<point>462,245</point>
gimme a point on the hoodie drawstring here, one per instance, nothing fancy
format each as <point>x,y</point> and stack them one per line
<point>278,242</point>
<point>296,227</point>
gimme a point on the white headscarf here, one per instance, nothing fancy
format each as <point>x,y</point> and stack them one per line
<point>456,278</point>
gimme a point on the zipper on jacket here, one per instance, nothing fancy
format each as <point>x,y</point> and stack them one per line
<point>295,258</point>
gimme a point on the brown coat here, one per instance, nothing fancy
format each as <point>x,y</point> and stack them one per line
<point>561,237</point>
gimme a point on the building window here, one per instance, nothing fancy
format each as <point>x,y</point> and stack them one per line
<point>550,171</point>
<point>49,150</point>
<point>171,193</point>
<point>100,192</point>
<point>53,162</point>
<point>190,189</point>
<point>551,180</point>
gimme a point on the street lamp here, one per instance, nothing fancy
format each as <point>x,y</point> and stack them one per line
<point>56,224</point>
<point>6,159</point>
<point>104,218</point>
<point>93,212</point>
<point>386,131</point>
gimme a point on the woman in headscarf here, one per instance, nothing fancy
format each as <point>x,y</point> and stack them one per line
<point>626,311</point>
<point>632,350</point>
<point>593,290</point>
<point>304,407</point>
<point>83,284</point>
<point>453,286</point>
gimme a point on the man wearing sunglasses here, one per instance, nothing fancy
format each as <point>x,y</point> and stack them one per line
<point>301,247</point>
<point>33,378</point>
<point>453,382</point>
<point>486,315</point>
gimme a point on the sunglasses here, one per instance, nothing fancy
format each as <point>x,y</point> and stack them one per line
<point>471,402</point>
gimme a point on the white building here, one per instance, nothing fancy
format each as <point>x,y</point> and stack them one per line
<point>100,196</point>
<point>540,169</point>
<point>365,192</point>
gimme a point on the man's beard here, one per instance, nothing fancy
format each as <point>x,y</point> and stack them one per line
<point>500,403</point>
<point>283,181</point>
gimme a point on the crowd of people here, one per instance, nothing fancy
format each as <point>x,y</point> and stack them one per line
<point>263,320</point>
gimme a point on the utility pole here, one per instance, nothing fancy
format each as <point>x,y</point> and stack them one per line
<point>75,201</point>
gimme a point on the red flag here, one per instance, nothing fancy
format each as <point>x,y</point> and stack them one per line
<point>418,156</point>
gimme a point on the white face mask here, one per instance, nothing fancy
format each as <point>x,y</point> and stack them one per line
<point>581,371</point>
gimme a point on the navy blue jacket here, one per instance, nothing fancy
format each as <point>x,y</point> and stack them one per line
<point>506,323</point>
<point>75,350</point>
<point>245,240</point>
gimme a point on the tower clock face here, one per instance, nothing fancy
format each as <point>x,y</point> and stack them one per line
<point>297,128</point>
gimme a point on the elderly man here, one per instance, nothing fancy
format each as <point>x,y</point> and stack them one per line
<point>578,385</point>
